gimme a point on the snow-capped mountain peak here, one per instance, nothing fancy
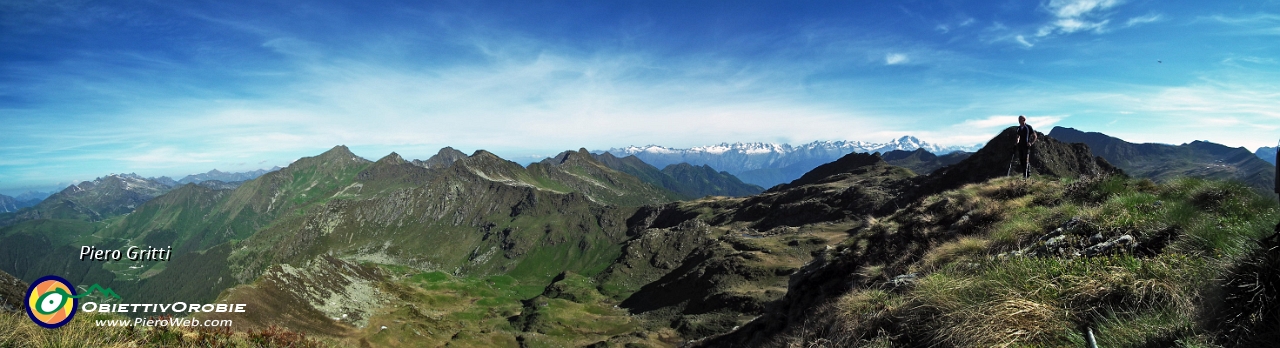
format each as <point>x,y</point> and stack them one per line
<point>739,157</point>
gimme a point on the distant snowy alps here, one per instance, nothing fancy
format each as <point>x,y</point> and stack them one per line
<point>768,164</point>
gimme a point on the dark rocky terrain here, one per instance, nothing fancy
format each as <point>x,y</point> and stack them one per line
<point>13,292</point>
<point>921,161</point>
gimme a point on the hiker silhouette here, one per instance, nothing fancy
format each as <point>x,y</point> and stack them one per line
<point>1026,137</point>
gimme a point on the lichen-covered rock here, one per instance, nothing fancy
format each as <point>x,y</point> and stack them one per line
<point>12,291</point>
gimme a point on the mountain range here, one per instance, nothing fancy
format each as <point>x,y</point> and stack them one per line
<point>769,164</point>
<point>104,197</point>
<point>225,176</point>
<point>1162,162</point>
<point>587,249</point>
<point>26,199</point>
<point>688,180</point>
<point>570,204</point>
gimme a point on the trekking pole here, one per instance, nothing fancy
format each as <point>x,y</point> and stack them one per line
<point>1012,159</point>
<point>1028,167</point>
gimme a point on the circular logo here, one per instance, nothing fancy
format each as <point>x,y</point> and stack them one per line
<point>51,301</point>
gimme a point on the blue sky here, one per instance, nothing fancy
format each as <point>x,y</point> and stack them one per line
<point>89,88</point>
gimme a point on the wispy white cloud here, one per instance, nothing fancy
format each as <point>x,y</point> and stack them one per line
<point>1251,60</point>
<point>1264,24</point>
<point>1149,18</point>
<point>964,21</point>
<point>1263,18</point>
<point>981,130</point>
<point>165,156</point>
<point>1231,113</point>
<point>1077,15</point>
<point>895,58</point>
<point>1023,40</point>
<point>1003,121</point>
<point>1071,25</point>
<point>519,102</point>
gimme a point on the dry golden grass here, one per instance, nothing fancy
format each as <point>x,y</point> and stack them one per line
<point>960,251</point>
<point>1010,322</point>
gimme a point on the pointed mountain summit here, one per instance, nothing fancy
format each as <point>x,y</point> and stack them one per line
<point>491,167</point>
<point>581,154</point>
<point>579,171</point>
<point>388,173</point>
<point>339,151</point>
<point>337,159</point>
<point>392,158</point>
<point>442,159</point>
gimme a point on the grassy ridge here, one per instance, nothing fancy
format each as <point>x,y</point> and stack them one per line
<point>1006,263</point>
<point>434,308</point>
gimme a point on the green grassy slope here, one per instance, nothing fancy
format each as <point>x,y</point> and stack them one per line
<point>1009,262</point>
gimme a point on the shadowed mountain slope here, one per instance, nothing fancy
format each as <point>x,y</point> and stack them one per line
<point>1163,162</point>
<point>580,172</point>
<point>688,180</point>
<point>700,181</point>
<point>705,266</point>
<point>921,161</point>
<point>965,260</point>
<point>1267,153</point>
